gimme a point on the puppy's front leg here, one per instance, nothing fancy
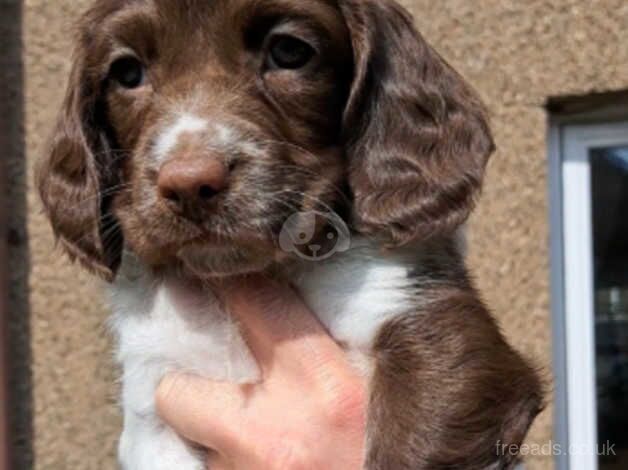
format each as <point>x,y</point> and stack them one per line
<point>447,390</point>
<point>146,442</point>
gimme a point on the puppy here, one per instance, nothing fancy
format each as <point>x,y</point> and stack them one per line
<point>321,142</point>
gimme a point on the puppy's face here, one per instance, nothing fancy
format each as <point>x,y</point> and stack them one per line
<point>228,116</point>
<point>192,131</point>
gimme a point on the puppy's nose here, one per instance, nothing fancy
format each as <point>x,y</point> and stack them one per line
<point>191,181</point>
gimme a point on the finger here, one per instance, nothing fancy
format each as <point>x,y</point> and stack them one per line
<point>216,461</point>
<point>278,326</point>
<point>205,412</point>
<point>218,465</point>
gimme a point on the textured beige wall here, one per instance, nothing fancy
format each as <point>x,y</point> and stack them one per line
<point>76,420</point>
<point>517,53</point>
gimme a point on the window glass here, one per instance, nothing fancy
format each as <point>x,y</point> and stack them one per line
<point>609,187</point>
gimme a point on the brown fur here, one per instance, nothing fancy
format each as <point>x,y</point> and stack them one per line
<point>449,389</point>
<point>379,128</point>
<point>422,140</point>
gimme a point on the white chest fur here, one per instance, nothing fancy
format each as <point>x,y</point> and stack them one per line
<point>165,325</point>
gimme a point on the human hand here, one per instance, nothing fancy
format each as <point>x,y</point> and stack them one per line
<point>309,410</point>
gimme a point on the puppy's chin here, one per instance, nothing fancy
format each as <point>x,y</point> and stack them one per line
<point>215,261</point>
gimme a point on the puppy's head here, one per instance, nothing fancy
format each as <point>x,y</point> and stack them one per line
<point>192,131</point>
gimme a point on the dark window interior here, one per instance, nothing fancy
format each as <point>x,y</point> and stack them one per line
<point>609,183</point>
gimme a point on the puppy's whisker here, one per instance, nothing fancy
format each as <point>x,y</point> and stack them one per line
<point>310,197</point>
<point>101,221</point>
<point>118,189</point>
<point>317,176</point>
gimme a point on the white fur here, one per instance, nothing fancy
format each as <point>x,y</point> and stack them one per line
<point>354,293</point>
<point>166,325</point>
<point>169,139</point>
<point>218,136</point>
<point>224,136</point>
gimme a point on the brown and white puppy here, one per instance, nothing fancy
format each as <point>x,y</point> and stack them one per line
<point>208,138</point>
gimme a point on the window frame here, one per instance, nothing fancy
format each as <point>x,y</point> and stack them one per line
<point>570,140</point>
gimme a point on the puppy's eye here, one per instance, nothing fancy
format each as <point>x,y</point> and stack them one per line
<point>128,72</point>
<point>288,52</point>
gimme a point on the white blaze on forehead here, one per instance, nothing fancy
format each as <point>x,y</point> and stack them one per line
<point>168,140</point>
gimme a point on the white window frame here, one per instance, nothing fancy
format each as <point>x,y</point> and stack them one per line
<point>571,141</point>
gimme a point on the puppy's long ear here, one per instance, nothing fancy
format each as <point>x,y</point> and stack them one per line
<point>418,139</point>
<point>71,179</point>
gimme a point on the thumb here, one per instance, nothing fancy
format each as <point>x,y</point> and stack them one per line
<point>203,411</point>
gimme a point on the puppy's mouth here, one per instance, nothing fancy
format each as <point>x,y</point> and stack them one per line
<point>223,247</point>
<point>210,259</point>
